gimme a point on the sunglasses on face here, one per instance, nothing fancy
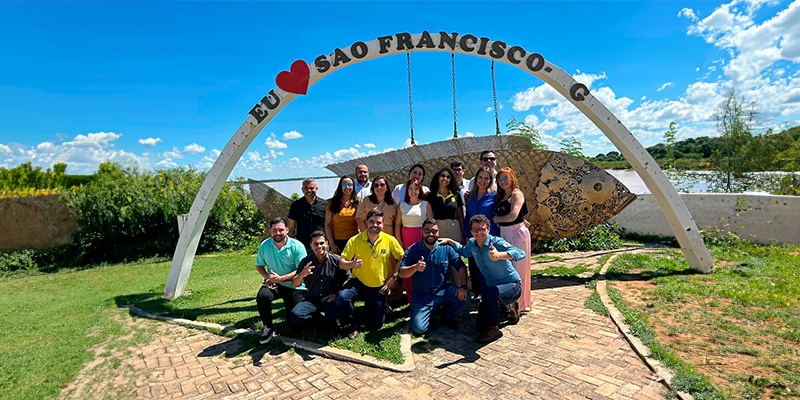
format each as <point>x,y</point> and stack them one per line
<point>479,229</point>
<point>502,179</point>
<point>484,159</point>
<point>347,185</point>
<point>429,231</point>
<point>379,184</point>
<point>444,176</point>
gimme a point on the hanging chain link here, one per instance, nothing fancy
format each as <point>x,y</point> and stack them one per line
<point>455,116</point>
<point>410,103</point>
<point>494,97</point>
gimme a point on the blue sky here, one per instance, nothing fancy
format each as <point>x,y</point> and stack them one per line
<point>166,84</point>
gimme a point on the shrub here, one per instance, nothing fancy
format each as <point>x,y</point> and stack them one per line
<point>17,262</point>
<point>124,214</point>
<point>602,237</point>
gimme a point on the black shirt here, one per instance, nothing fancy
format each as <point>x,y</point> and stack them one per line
<point>307,218</point>
<point>503,208</point>
<point>326,278</point>
<point>445,208</point>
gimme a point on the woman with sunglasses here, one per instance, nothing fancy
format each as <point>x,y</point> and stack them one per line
<point>445,205</point>
<point>340,221</point>
<point>379,200</point>
<point>509,215</point>
<point>480,200</point>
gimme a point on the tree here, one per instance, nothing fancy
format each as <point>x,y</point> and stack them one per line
<point>572,147</point>
<point>735,122</point>
<point>514,127</point>
<point>670,137</point>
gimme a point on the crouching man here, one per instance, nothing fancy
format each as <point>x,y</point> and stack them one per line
<point>493,255</point>
<point>428,264</point>
<point>322,277</point>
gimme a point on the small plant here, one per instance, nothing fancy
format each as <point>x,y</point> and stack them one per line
<point>602,237</point>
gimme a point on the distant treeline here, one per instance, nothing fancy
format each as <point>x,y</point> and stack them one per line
<point>769,152</point>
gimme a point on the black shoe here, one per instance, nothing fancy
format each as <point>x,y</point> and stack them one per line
<point>489,335</point>
<point>450,323</point>
<point>266,335</point>
<point>513,314</point>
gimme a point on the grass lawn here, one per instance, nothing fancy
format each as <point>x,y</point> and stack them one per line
<point>49,322</point>
<point>731,334</point>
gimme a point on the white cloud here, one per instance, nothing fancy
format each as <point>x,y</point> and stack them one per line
<point>194,148</point>
<point>292,135</point>
<point>273,143</point>
<point>664,86</point>
<point>150,142</point>
<point>175,154</point>
<point>5,150</point>
<point>469,134</point>
<point>60,137</point>
<point>166,164</point>
<point>544,95</point>
<point>98,140</point>
<point>46,147</point>
<point>358,146</point>
<point>491,108</point>
<point>369,145</point>
<point>407,143</point>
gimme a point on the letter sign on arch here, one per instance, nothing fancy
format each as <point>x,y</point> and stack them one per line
<point>301,76</point>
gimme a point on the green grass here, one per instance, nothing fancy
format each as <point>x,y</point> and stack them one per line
<point>48,323</point>
<point>748,309</point>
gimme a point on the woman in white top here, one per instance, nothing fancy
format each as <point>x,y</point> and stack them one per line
<point>413,211</point>
<point>416,172</point>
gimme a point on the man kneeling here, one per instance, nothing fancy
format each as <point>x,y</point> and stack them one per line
<point>322,277</point>
<point>493,255</point>
<point>428,265</point>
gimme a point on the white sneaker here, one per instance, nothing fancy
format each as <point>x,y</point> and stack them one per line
<point>266,335</point>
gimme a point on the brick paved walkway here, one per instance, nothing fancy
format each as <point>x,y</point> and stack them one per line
<point>560,350</point>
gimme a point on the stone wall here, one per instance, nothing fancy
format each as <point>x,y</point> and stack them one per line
<point>759,218</point>
<point>34,222</point>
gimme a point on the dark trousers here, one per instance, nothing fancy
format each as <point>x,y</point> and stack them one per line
<point>340,243</point>
<point>291,297</point>
<point>475,276</point>
<point>494,299</point>
<point>304,312</point>
<point>374,300</point>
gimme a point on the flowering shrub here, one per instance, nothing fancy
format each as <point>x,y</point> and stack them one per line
<point>602,237</point>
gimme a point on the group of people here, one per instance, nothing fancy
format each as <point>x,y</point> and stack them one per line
<point>367,243</point>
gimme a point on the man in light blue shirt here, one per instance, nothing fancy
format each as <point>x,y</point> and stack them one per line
<point>363,186</point>
<point>493,255</point>
<point>277,261</point>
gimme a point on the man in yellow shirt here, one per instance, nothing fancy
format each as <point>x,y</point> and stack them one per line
<point>371,256</point>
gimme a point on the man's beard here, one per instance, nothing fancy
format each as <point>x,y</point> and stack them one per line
<point>431,240</point>
<point>278,238</point>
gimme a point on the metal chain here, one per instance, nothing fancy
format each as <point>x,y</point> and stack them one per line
<point>494,97</point>
<point>410,103</point>
<point>455,118</point>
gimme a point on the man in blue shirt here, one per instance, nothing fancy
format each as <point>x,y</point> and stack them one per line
<point>493,255</point>
<point>428,264</point>
<point>277,261</point>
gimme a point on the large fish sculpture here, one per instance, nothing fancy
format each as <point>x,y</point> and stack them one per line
<point>566,195</point>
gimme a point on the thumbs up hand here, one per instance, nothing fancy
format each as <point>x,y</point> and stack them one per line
<point>495,255</point>
<point>421,264</point>
<point>358,262</point>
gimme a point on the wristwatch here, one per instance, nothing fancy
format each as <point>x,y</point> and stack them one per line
<point>395,278</point>
<point>465,287</point>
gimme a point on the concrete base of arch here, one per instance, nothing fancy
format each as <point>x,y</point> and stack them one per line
<point>680,220</point>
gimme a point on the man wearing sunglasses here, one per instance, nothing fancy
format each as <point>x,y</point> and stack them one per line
<point>493,256</point>
<point>428,264</point>
<point>487,159</point>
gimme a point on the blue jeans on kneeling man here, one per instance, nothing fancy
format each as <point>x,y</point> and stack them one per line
<point>421,310</point>
<point>494,299</point>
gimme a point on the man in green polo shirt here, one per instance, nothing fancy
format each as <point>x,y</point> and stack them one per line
<point>277,261</point>
<point>371,256</point>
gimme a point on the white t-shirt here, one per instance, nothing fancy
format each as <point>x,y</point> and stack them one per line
<point>414,216</point>
<point>399,193</point>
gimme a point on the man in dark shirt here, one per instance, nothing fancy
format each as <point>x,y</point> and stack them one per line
<point>428,263</point>
<point>307,214</point>
<point>323,279</point>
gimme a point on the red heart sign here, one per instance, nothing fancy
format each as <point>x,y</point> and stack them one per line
<point>295,81</point>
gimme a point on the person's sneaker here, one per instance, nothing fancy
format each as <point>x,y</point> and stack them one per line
<point>450,323</point>
<point>476,298</point>
<point>266,335</point>
<point>354,334</point>
<point>489,335</point>
<point>513,314</point>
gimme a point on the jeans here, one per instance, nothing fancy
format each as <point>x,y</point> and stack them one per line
<point>265,297</point>
<point>475,277</point>
<point>374,300</point>
<point>496,298</point>
<point>421,312</point>
<point>304,312</point>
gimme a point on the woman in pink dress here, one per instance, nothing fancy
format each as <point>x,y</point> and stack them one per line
<point>412,212</point>
<point>509,214</point>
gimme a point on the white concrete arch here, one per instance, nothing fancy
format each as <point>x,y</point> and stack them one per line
<point>261,114</point>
